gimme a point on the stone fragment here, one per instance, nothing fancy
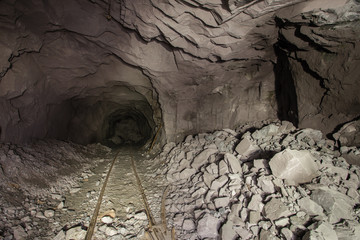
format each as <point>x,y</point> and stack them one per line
<point>19,233</point>
<point>287,234</point>
<point>246,148</point>
<point>110,231</point>
<point>75,233</point>
<point>310,207</point>
<point>255,203</point>
<point>276,209</point>
<point>336,205</point>
<point>60,236</point>
<point>219,182</point>
<point>221,202</point>
<point>227,231</point>
<point>223,168</point>
<point>309,134</point>
<point>282,222</point>
<point>141,216</point>
<point>349,135</point>
<point>295,166</point>
<point>254,217</point>
<point>243,232</point>
<point>265,183</point>
<point>234,163</point>
<point>269,130</point>
<point>187,173</point>
<point>320,230</point>
<point>49,213</point>
<point>40,215</point>
<point>207,226</point>
<point>265,224</point>
<point>202,158</point>
<point>188,225</point>
<point>106,219</point>
<point>267,235</point>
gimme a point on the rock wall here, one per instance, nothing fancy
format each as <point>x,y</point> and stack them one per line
<point>190,65</point>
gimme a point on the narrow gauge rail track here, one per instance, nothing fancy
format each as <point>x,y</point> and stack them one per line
<point>154,231</point>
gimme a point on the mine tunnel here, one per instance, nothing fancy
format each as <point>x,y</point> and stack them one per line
<point>201,95</point>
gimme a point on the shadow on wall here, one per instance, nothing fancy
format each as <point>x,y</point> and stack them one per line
<point>286,97</point>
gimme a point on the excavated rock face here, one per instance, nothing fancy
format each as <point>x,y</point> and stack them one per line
<point>87,70</point>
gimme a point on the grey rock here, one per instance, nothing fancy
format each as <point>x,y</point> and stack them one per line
<point>60,236</point>
<point>202,158</point>
<point>254,217</point>
<point>207,226</point>
<point>255,203</point>
<point>336,205</point>
<point>19,233</point>
<point>233,162</point>
<point>188,225</point>
<point>221,202</point>
<point>321,230</point>
<point>187,173</point>
<point>246,148</point>
<point>287,234</point>
<point>269,130</point>
<point>310,207</point>
<point>227,231</point>
<point>282,222</point>
<point>75,233</point>
<point>349,135</point>
<point>219,182</point>
<point>223,168</point>
<point>275,209</point>
<point>295,166</point>
<point>110,231</point>
<point>265,183</point>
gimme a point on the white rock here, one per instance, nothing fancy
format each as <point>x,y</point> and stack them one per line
<point>207,226</point>
<point>49,213</point>
<point>233,163</point>
<point>106,219</point>
<point>295,166</point>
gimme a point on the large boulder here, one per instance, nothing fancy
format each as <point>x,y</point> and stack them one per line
<point>294,166</point>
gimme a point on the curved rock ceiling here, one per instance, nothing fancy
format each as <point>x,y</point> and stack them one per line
<point>68,67</point>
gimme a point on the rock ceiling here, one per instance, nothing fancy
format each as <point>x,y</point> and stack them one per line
<point>190,65</point>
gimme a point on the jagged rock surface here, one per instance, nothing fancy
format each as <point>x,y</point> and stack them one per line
<point>193,65</point>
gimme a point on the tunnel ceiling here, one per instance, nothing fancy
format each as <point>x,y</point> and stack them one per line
<point>67,66</point>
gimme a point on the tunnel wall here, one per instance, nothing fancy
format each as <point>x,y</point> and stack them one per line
<point>198,66</point>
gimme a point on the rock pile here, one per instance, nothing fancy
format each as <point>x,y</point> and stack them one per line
<point>277,182</point>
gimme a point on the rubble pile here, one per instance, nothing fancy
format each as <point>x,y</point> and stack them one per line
<point>277,182</point>
<point>33,181</point>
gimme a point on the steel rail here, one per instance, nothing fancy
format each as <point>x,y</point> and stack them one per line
<point>92,224</point>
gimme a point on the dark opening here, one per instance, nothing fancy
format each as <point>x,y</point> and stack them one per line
<point>285,89</point>
<point>127,127</point>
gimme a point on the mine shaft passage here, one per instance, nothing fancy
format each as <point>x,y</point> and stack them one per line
<point>128,128</point>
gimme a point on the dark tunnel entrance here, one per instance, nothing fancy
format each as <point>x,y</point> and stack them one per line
<point>127,128</point>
